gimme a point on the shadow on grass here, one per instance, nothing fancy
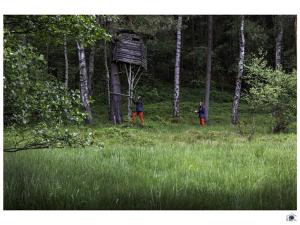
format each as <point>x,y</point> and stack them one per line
<point>265,198</point>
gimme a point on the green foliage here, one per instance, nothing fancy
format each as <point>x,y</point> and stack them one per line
<point>84,28</point>
<point>152,94</point>
<point>43,136</point>
<point>256,35</point>
<point>272,90</point>
<point>125,136</point>
<point>57,137</point>
<point>149,25</point>
<point>30,94</point>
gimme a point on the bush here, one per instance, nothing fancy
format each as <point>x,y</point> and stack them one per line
<point>31,95</point>
<point>272,90</point>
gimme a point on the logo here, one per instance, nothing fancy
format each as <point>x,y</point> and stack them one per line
<point>291,217</point>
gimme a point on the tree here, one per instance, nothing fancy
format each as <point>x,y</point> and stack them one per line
<point>107,78</point>
<point>84,91</point>
<point>31,96</point>
<point>295,30</point>
<point>133,78</point>
<point>91,68</point>
<point>278,46</point>
<point>238,83</point>
<point>273,90</point>
<point>177,70</point>
<point>116,114</point>
<point>107,22</point>
<point>113,83</point>
<point>208,66</point>
<point>66,62</point>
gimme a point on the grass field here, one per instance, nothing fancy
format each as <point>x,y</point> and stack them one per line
<point>164,165</point>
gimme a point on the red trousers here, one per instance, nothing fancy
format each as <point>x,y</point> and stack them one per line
<point>140,114</point>
<point>202,121</point>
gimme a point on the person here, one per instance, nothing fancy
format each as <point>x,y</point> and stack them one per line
<point>139,109</point>
<point>201,114</point>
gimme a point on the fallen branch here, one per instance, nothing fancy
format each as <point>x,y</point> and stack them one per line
<point>26,148</point>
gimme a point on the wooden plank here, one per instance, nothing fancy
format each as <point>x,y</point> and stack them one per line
<point>137,55</point>
<point>130,61</point>
<point>129,58</point>
<point>130,48</point>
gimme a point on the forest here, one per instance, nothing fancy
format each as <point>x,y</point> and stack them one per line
<point>150,112</point>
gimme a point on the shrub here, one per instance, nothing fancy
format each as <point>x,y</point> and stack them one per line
<point>31,95</point>
<point>272,90</point>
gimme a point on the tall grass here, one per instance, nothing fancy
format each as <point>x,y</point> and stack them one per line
<point>164,165</point>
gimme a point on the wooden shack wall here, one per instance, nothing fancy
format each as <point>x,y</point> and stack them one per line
<point>130,49</point>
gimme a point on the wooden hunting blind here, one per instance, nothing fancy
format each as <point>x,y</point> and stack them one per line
<point>130,51</point>
<point>130,48</point>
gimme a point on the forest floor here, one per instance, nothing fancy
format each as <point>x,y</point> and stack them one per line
<point>165,165</point>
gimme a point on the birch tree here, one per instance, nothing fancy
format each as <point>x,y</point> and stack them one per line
<point>177,69</point>
<point>278,45</point>
<point>237,93</point>
<point>208,65</point>
<point>84,91</point>
<point>133,78</point>
<point>66,62</point>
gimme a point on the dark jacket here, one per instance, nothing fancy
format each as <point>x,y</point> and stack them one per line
<point>201,112</point>
<point>139,105</point>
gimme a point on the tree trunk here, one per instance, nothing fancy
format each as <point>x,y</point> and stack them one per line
<point>66,62</point>
<point>193,49</point>
<point>84,91</point>
<point>107,79</point>
<point>208,65</point>
<point>278,47</point>
<point>177,70</point>
<point>91,68</point>
<point>47,56</point>
<point>130,91</point>
<point>295,26</point>
<point>116,114</point>
<point>237,94</point>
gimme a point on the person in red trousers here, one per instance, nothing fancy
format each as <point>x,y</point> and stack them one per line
<point>139,109</point>
<point>201,114</point>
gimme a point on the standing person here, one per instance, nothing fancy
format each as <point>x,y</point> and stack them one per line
<point>139,109</point>
<point>201,114</point>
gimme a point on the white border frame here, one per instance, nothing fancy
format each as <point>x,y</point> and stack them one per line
<point>163,7</point>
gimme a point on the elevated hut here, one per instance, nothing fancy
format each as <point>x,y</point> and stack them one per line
<point>130,48</point>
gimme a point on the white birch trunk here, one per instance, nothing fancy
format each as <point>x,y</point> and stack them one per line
<point>66,62</point>
<point>237,94</point>
<point>177,70</point>
<point>208,65</point>
<point>130,87</point>
<point>278,47</point>
<point>84,92</point>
